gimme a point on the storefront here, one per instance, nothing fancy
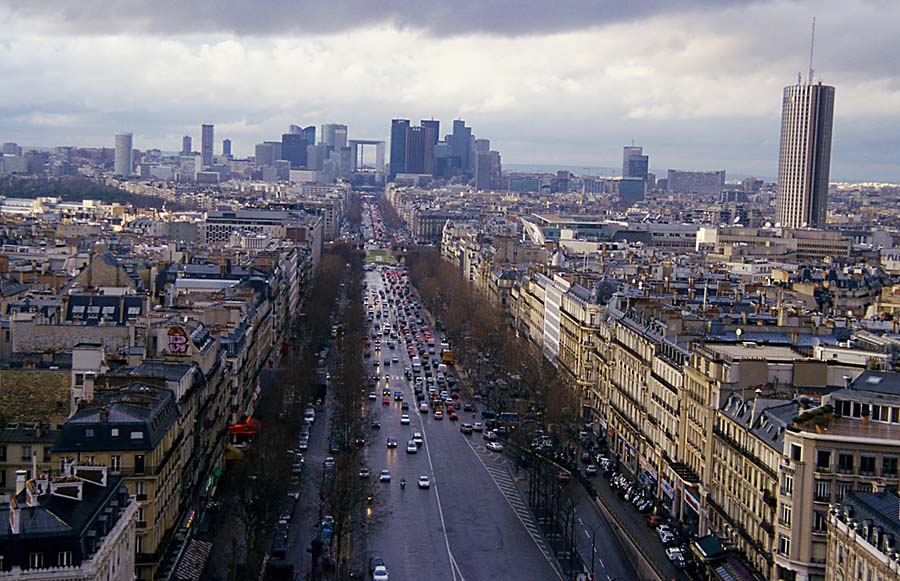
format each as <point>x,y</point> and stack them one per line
<point>691,510</point>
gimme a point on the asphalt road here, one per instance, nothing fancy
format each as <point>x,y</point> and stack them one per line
<point>473,523</point>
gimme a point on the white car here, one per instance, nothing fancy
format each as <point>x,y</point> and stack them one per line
<point>385,476</point>
<point>404,420</point>
<point>380,574</point>
<point>417,438</point>
<point>494,446</point>
<point>411,447</point>
<point>424,482</point>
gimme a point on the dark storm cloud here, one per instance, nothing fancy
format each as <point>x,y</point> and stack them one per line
<point>264,17</point>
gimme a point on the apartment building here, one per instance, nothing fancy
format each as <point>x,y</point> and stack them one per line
<point>863,532</point>
<point>851,443</point>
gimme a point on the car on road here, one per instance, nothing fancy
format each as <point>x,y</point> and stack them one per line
<point>411,447</point>
<point>398,396</point>
<point>494,446</point>
<point>454,417</point>
<point>590,469</point>
<point>373,395</point>
<point>376,424</point>
<point>364,472</point>
<point>380,574</point>
<point>386,401</point>
<point>666,536</point>
<point>374,563</point>
<point>328,463</point>
<point>424,481</point>
<point>404,406</point>
<point>489,435</point>
<point>465,428</point>
<point>438,415</point>
<point>676,556</point>
<point>385,476</point>
<point>391,442</point>
<point>423,407</point>
<point>564,476</point>
<point>478,427</point>
<point>404,420</point>
<point>417,438</point>
<point>654,520</point>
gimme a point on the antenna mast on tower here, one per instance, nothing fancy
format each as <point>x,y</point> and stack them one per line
<point>812,46</point>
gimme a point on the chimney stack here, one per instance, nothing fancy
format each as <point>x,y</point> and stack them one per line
<point>21,477</point>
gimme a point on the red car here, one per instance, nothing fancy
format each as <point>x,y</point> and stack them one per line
<point>564,476</point>
<point>385,401</point>
<point>453,416</point>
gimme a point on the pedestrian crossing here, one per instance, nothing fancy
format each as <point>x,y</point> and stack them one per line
<point>498,469</point>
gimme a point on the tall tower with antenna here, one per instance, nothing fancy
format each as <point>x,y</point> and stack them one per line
<point>804,165</point>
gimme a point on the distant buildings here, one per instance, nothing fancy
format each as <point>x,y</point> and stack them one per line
<point>634,163</point>
<point>186,147</point>
<point>124,163</point>
<point>206,145</point>
<point>226,147</point>
<point>695,182</point>
<point>399,131</point>
<point>804,161</point>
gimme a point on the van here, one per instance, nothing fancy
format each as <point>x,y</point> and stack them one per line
<point>310,416</point>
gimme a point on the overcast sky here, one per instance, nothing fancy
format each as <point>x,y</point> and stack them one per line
<point>696,82</point>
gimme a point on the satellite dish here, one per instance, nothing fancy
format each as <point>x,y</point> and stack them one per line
<point>738,333</point>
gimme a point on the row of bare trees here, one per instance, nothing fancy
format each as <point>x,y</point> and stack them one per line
<point>260,481</point>
<point>508,370</point>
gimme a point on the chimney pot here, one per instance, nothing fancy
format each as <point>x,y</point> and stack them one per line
<point>21,477</point>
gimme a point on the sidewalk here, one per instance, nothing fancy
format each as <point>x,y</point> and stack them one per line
<point>631,523</point>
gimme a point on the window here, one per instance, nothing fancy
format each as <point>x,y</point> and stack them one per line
<point>3,452</point>
<point>89,433</point>
<point>137,435</point>
<point>35,560</point>
<point>842,489</point>
<point>115,463</point>
<point>823,460</point>
<point>784,545</point>
<point>845,463</point>
<point>47,450</point>
<point>138,463</point>
<point>114,432</point>
<point>139,544</point>
<point>785,516</point>
<point>889,467</point>
<point>79,380</point>
<point>820,521</point>
<point>867,465</point>
<point>26,452</point>
<point>796,452</point>
<point>823,490</point>
<point>65,559</point>
<point>140,490</point>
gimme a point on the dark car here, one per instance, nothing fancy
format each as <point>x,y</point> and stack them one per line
<point>375,562</point>
<point>376,424</point>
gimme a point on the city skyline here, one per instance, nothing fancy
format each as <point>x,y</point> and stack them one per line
<point>571,90</point>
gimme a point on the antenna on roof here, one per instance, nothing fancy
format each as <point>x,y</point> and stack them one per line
<point>812,46</point>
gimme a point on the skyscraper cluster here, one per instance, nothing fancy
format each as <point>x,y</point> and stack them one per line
<point>418,150</point>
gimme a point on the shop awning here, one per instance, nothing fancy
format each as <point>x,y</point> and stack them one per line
<point>232,453</point>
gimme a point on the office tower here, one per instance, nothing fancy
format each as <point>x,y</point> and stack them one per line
<point>186,145</point>
<point>11,148</point>
<point>435,126</point>
<point>488,170</point>
<point>309,134</point>
<point>399,131</point>
<point>124,161</point>
<point>634,163</point>
<point>420,150</point>
<point>226,147</point>
<point>265,154</point>
<point>295,130</point>
<point>334,135</point>
<point>293,149</point>
<point>804,163</point>
<point>461,145</point>
<point>315,156</point>
<point>206,145</point>
<point>442,159</point>
<point>482,145</point>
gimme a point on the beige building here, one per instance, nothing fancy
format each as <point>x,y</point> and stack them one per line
<point>863,533</point>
